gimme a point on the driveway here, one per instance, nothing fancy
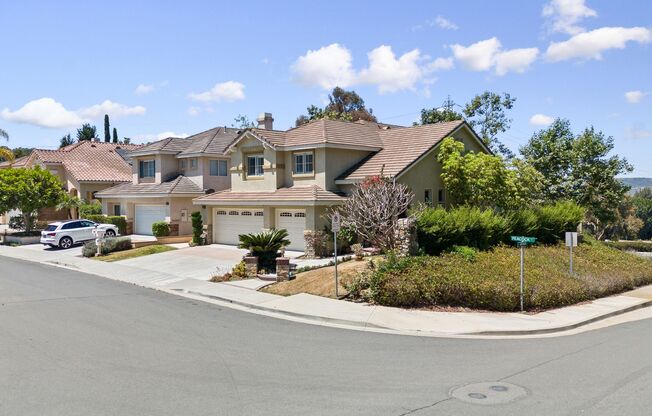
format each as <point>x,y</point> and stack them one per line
<point>191,263</point>
<point>74,251</point>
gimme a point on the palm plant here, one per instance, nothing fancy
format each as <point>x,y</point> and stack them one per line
<point>72,204</point>
<point>5,152</point>
<point>265,245</point>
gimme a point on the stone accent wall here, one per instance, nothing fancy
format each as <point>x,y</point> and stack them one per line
<point>174,229</point>
<point>130,227</point>
<point>317,244</point>
<point>282,269</point>
<point>251,264</point>
<point>406,237</point>
<point>208,231</point>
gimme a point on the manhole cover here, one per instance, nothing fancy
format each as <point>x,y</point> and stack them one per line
<point>488,393</point>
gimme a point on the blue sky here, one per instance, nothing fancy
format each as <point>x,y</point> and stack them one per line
<point>178,68</point>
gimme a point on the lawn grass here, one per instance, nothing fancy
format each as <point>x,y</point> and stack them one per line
<point>135,252</point>
<point>320,282</point>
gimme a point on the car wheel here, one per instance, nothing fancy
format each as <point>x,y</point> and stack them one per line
<point>109,233</point>
<point>65,242</point>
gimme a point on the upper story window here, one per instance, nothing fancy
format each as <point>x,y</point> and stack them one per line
<point>218,168</point>
<point>146,168</point>
<point>193,163</point>
<point>303,163</point>
<point>182,164</point>
<point>255,165</point>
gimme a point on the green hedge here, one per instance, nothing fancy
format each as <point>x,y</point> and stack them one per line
<point>439,229</point>
<point>160,229</point>
<point>110,245</point>
<point>90,209</point>
<point>118,221</point>
<point>642,246</point>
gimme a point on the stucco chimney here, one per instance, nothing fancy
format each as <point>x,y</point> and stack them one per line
<point>265,121</point>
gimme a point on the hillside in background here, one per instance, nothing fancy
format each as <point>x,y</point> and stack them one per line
<point>637,183</point>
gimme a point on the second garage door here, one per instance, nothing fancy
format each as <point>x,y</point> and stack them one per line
<point>146,215</point>
<point>294,221</point>
<point>230,223</point>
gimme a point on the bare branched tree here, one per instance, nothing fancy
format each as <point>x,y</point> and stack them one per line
<point>374,208</point>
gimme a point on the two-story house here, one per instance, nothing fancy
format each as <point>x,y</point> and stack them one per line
<point>289,179</point>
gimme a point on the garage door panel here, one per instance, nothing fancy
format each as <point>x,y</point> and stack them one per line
<point>146,215</point>
<point>231,222</point>
<point>294,221</point>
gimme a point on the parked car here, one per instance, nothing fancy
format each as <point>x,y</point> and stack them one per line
<point>65,234</point>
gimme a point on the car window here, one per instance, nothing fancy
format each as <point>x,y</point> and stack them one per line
<point>70,225</point>
<point>87,224</point>
<point>51,227</point>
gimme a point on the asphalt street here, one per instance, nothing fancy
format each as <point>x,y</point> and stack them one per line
<point>77,344</point>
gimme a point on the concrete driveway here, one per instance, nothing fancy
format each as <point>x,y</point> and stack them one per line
<point>192,263</point>
<point>74,251</point>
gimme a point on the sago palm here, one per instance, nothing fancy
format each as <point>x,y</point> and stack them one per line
<point>265,245</point>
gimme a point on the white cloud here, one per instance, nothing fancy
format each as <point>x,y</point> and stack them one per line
<point>226,91</point>
<point>441,64</point>
<point>194,111</point>
<point>329,66</point>
<point>112,109</point>
<point>47,112</point>
<point>43,112</point>
<point>541,120</point>
<point>563,15</point>
<point>590,45</point>
<point>143,89</point>
<point>389,73</point>
<point>634,97</point>
<point>488,54</point>
<point>638,132</point>
<point>444,23</point>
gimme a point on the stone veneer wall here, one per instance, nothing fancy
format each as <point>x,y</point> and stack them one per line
<point>406,237</point>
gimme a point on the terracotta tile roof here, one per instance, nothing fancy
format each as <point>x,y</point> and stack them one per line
<point>87,161</point>
<point>401,147</point>
<point>311,193</point>
<point>214,140</point>
<point>178,185</point>
<point>17,163</point>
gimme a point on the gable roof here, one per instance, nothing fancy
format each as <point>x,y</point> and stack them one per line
<point>304,195</point>
<point>86,161</point>
<point>401,148</point>
<point>179,185</point>
<point>212,141</point>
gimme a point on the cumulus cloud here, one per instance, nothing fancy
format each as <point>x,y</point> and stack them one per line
<point>590,45</point>
<point>228,91</point>
<point>444,23</point>
<point>389,73</point>
<point>328,67</point>
<point>634,97</point>
<point>563,15</point>
<point>541,120</point>
<point>488,54</point>
<point>143,89</point>
<point>47,112</point>
<point>441,64</point>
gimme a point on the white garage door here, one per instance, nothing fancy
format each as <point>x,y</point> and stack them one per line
<point>146,215</point>
<point>230,223</point>
<point>294,221</point>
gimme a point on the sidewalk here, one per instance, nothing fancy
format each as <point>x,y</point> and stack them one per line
<point>316,309</point>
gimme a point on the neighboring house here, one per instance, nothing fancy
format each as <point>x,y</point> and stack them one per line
<point>289,179</point>
<point>167,175</point>
<point>83,168</point>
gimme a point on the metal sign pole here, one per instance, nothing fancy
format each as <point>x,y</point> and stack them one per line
<point>571,259</point>
<point>337,294</point>
<point>522,271</point>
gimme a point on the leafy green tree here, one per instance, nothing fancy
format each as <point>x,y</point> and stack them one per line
<point>87,132</point>
<point>242,122</point>
<point>66,140</point>
<point>71,204</point>
<point>107,129</point>
<point>197,227</point>
<point>5,152</point>
<point>642,201</point>
<point>441,114</point>
<point>342,105</point>
<point>487,114</point>
<point>22,151</point>
<point>626,225</point>
<point>115,135</point>
<point>29,190</point>
<point>486,181</point>
<point>4,134</point>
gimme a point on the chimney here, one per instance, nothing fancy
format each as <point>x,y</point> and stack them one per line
<point>265,121</point>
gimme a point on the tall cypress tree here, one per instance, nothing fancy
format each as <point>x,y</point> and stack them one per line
<point>115,135</point>
<point>107,129</point>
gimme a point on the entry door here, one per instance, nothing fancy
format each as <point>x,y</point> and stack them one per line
<point>294,221</point>
<point>146,215</point>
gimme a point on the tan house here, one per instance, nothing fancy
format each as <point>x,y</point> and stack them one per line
<point>289,179</point>
<point>84,168</point>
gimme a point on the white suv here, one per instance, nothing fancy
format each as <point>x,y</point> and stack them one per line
<point>64,234</point>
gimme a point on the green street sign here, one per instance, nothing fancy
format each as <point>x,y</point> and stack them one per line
<point>523,240</point>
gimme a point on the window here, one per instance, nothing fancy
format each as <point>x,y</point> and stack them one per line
<point>116,210</point>
<point>255,165</point>
<point>146,168</point>
<point>71,225</point>
<point>285,214</point>
<point>182,164</point>
<point>299,215</point>
<point>427,196</point>
<point>303,163</point>
<point>441,197</point>
<point>218,168</point>
<point>193,163</point>
<point>246,213</point>
<point>234,213</point>
<point>86,224</point>
<point>258,214</point>
<point>221,212</point>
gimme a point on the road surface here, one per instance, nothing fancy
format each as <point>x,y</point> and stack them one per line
<point>77,344</point>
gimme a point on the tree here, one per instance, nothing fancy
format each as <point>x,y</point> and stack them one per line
<point>4,134</point>
<point>22,151</point>
<point>126,140</point>
<point>107,129</point>
<point>343,105</point>
<point>374,208</point>
<point>29,190</point>
<point>486,113</point>
<point>5,152</point>
<point>115,135</point>
<point>440,114</point>
<point>626,224</point>
<point>486,181</point>
<point>197,227</point>
<point>87,132</point>
<point>242,122</point>
<point>66,140</point>
<point>642,202</point>
<point>71,204</point>
<point>579,168</point>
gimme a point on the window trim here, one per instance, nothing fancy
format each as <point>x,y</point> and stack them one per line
<point>218,162</point>
<point>114,210</point>
<point>295,164</point>
<point>441,197</point>
<point>141,168</point>
<point>256,156</point>
<point>426,200</point>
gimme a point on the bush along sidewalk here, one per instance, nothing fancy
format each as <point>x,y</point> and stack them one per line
<point>109,245</point>
<point>119,222</point>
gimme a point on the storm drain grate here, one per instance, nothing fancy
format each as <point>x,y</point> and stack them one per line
<point>488,393</point>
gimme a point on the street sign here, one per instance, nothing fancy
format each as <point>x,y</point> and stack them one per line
<point>335,222</point>
<point>523,240</point>
<point>335,226</point>
<point>571,239</point>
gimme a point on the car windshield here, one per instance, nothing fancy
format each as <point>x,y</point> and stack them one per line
<point>51,227</point>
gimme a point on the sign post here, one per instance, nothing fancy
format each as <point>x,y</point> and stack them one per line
<point>571,241</point>
<point>335,226</point>
<point>522,242</point>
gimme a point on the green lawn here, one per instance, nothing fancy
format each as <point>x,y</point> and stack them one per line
<point>136,252</point>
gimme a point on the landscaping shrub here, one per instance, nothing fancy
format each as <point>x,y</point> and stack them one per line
<point>110,245</point>
<point>90,209</point>
<point>265,245</point>
<point>17,222</point>
<point>118,221</point>
<point>643,246</point>
<point>197,227</point>
<point>160,229</point>
<point>554,220</point>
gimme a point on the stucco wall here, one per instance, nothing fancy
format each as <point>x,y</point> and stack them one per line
<point>218,183</point>
<point>239,180</point>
